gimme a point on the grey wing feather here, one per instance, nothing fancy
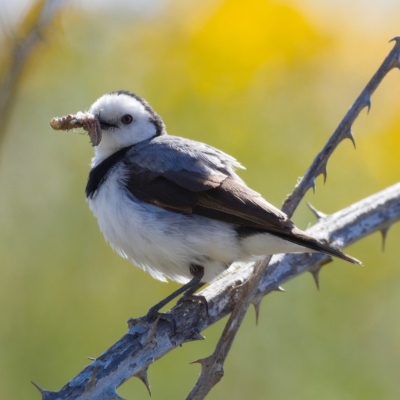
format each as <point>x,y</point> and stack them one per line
<point>169,153</point>
<point>179,174</point>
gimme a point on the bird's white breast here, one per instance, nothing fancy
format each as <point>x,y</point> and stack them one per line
<point>161,242</point>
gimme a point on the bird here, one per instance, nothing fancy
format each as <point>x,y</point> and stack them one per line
<point>176,207</point>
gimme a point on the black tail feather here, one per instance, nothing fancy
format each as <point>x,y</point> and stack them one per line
<point>301,238</point>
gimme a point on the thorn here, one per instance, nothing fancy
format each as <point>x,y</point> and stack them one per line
<point>195,336</point>
<point>368,105</point>
<point>207,362</point>
<point>384,232</point>
<point>142,375</point>
<point>279,289</point>
<point>91,358</point>
<point>349,133</point>
<point>318,214</point>
<point>395,39</point>
<point>92,380</point>
<point>313,186</point>
<point>324,173</point>
<point>315,274</point>
<point>396,48</point>
<point>43,392</point>
<point>150,336</point>
<point>257,303</point>
<point>316,269</point>
<point>201,361</point>
<point>323,170</point>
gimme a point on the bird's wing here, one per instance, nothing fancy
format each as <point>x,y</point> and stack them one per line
<point>188,177</point>
<point>202,183</point>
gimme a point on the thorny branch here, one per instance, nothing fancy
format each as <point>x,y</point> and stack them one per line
<point>22,49</point>
<point>212,367</point>
<point>343,131</point>
<point>141,346</point>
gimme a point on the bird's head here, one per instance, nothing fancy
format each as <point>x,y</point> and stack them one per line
<point>125,119</point>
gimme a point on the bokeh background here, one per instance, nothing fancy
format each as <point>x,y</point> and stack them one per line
<point>266,81</point>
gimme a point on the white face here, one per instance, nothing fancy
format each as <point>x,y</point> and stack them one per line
<point>125,119</point>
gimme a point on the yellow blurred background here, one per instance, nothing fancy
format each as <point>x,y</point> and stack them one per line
<point>266,81</point>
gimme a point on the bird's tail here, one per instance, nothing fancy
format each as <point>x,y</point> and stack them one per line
<point>301,238</point>
<point>331,251</point>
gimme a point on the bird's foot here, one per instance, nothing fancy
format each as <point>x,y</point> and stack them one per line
<point>196,298</point>
<point>154,314</point>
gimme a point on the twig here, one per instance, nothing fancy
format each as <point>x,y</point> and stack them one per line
<point>212,367</point>
<point>19,55</point>
<point>343,131</point>
<point>139,348</point>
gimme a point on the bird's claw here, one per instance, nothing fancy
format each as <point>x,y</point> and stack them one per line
<point>196,298</point>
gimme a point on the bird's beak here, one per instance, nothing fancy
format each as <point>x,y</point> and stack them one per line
<point>105,125</point>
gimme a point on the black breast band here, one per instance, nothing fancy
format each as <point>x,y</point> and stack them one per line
<point>100,172</point>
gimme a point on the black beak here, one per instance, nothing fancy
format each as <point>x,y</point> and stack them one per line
<point>106,125</point>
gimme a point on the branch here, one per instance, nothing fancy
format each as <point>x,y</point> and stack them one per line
<point>343,131</point>
<point>212,367</point>
<point>140,347</point>
<point>22,49</point>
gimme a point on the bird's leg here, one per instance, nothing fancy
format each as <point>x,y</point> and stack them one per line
<point>188,289</point>
<point>196,270</point>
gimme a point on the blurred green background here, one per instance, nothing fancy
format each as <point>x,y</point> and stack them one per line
<point>266,81</point>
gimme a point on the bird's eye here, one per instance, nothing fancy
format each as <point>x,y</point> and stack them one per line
<point>127,119</point>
